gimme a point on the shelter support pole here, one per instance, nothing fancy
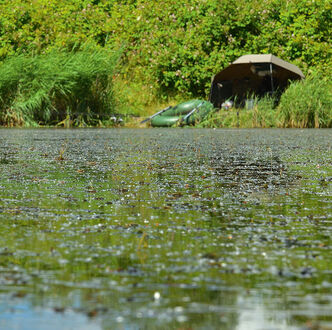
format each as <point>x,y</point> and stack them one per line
<point>271,74</point>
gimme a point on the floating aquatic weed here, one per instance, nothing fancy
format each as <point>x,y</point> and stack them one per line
<point>213,216</point>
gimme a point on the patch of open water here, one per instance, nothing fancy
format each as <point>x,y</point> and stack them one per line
<point>165,228</point>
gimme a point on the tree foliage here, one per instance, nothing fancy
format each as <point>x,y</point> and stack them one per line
<point>176,46</point>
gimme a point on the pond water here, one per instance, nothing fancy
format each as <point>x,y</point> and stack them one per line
<point>165,228</point>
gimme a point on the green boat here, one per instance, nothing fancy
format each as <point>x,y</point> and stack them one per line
<point>186,113</point>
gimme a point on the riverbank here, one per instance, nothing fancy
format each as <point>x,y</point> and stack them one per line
<point>82,89</point>
<point>304,104</point>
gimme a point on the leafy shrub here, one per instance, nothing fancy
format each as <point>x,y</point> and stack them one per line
<point>180,45</point>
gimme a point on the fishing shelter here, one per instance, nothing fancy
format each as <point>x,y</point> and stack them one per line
<point>250,75</point>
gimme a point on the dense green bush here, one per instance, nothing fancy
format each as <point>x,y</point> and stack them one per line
<point>50,88</point>
<point>180,45</point>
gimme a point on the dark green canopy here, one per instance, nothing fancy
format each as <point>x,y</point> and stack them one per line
<point>252,74</point>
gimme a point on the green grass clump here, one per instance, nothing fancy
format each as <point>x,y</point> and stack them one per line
<point>262,114</point>
<point>69,87</point>
<point>307,103</point>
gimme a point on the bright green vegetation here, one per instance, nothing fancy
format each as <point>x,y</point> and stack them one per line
<point>169,52</point>
<point>307,103</point>
<point>74,88</point>
<point>165,228</point>
<point>262,114</point>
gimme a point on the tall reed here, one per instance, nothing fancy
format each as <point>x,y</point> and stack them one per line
<point>47,89</point>
<point>307,103</point>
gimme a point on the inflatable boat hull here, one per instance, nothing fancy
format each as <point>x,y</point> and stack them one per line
<point>180,114</point>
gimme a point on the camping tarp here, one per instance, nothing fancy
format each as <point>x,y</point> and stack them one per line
<point>256,74</point>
